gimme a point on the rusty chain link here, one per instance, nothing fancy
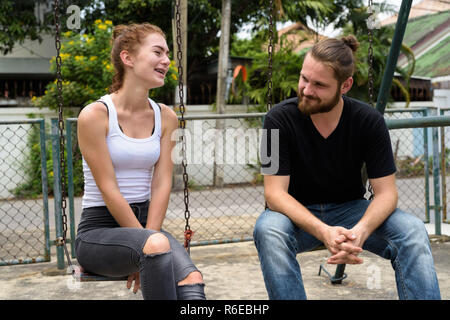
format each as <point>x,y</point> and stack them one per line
<point>188,233</point>
<point>370,75</point>
<point>370,56</point>
<point>62,160</point>
<point>270,57</point>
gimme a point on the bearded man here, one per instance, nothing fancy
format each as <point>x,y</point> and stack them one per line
<point>313,185</point>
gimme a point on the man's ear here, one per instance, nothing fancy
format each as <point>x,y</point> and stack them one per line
<point>346,85</point>
<point>126,58</point>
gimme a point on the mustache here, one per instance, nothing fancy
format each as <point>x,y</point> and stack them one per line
<point>301,95</point>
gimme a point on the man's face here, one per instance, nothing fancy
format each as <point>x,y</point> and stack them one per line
<point>318,89</point>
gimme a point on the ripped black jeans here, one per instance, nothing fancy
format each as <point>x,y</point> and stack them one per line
<point>105,248</point>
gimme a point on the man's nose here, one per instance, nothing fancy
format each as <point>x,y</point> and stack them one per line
<point>308,90</point>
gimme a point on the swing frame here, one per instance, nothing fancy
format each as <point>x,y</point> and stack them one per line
<point>61,241</point>
<point>188,233</point>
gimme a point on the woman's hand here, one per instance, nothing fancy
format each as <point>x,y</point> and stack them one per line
<point>137,282</point>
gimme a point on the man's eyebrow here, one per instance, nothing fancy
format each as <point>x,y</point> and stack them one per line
<point>320,83</point>
<point>316,82</point>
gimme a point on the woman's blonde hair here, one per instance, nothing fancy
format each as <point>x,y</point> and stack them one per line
<point>127,37</point>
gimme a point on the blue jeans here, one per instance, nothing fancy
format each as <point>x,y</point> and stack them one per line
<point>402,238</point>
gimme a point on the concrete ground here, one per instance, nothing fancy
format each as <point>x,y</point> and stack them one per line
<point>231,272</point>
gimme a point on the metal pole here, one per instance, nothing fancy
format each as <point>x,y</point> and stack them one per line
<point>432,121</point>
<point>70,184</point>
<point>437,194</point>
<point>339,274</point>
<point>57,193</point>
<point>443,174</point>
<point>427,171</point>
<point>47,254</point>
<point>218,169</point>
<point>394,50</point>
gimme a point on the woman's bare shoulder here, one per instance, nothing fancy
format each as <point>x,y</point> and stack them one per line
<point>93,111</point>
<point>168,115</point>
<point>93,119</point>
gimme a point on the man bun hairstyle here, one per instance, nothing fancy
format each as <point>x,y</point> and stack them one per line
<point>351,42</point>
<point>338,54</point>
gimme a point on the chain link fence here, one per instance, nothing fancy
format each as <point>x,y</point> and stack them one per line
<point>445,165</point>
<point>24,228</point>
<point>225,186</point>
<point>411,153</point>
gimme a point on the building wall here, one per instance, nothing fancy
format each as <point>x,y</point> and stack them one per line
<point>34,48</point>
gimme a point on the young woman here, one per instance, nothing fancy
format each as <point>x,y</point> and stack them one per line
<point>125,140</point>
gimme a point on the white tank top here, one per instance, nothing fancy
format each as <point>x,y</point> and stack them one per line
<point>133,160</point>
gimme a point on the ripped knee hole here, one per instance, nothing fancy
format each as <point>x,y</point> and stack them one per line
<point>156,243</point>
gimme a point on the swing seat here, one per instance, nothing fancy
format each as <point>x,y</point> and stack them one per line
<point>82,276</point>
<point>88,277</point>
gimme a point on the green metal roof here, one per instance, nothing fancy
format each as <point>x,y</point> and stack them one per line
<point>419,27</point>
<point>435,62</point>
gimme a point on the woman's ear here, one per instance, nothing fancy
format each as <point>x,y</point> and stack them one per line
<point>126,58</point>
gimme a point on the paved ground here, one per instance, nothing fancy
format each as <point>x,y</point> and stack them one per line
<point>231,272</point>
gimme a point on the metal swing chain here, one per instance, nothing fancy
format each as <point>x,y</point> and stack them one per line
<point>270,57</point>
<point>62,164</point>
<point>269,66</point>
<point>370,75</point>
<point>370,56</point>
<point>188,233</point>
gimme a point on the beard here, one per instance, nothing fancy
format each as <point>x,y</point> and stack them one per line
<point>309,105</point>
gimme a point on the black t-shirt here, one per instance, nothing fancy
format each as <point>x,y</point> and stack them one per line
<point>327,170</point>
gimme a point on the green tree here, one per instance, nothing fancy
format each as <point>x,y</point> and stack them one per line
<point>286,64</point>
<point>203,21</point>
<point>18,20</point>
<point>286,68</point>
<point>381,43</point>
<point>17,23</point>
<point>87,71</point>
<point>28,19</point>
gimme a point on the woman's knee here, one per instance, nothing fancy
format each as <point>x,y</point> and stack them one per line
<point>192,278</point>
<point>191,287</point>
<point>156,243</point>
